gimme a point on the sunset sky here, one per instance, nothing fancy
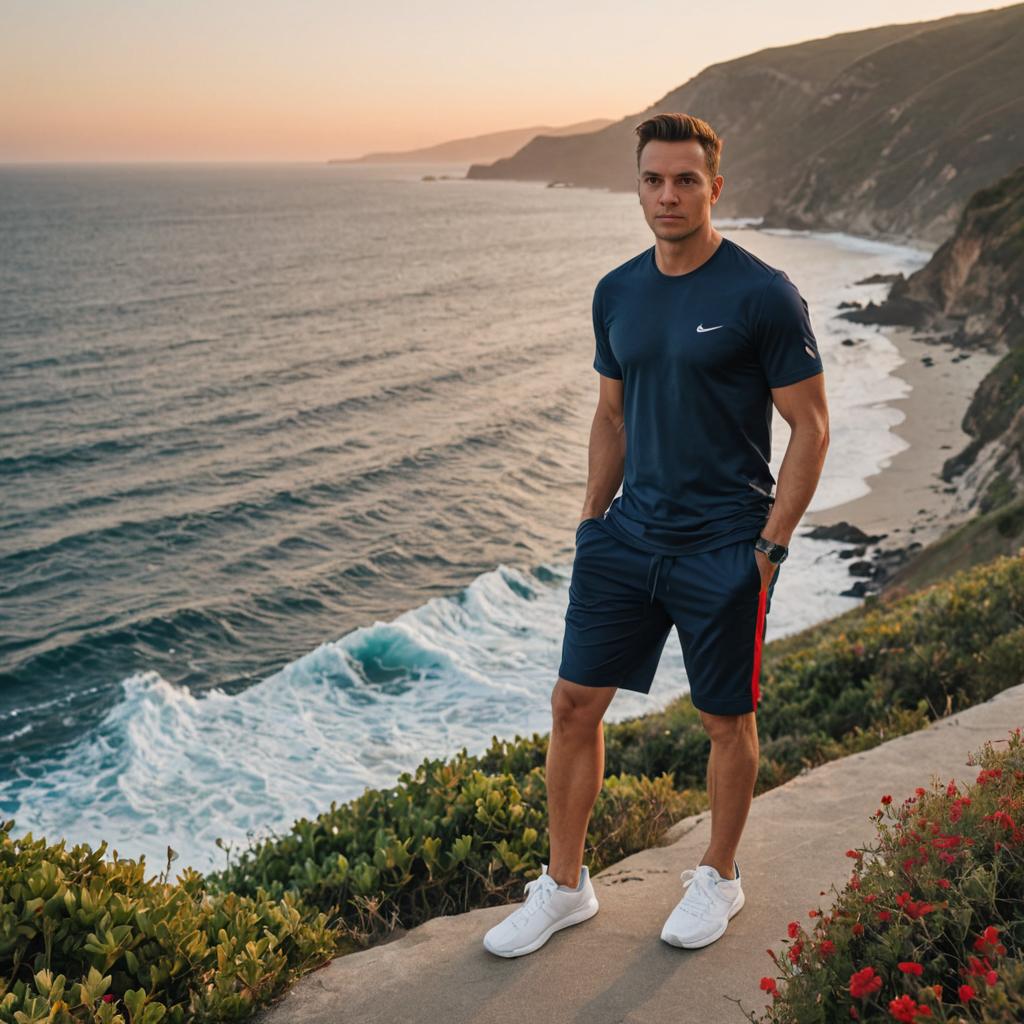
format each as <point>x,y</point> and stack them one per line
<point>307,80</point>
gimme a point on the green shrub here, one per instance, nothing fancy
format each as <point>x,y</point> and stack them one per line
<point>83,938</point>
<point>930,926</point>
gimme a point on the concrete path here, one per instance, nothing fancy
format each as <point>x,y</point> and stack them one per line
<point>614,967</point>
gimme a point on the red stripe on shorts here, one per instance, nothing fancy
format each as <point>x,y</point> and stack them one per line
<point>755,678</point>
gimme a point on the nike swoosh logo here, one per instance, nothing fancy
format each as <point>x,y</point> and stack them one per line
<point>701,329</point>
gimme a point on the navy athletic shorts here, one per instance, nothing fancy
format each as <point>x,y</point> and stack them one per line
<point>618,620</point>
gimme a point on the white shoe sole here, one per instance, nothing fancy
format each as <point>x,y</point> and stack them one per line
<point>583,914</point>
<point>673,940</point>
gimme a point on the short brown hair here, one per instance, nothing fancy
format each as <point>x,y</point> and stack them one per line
<point>679,128</point>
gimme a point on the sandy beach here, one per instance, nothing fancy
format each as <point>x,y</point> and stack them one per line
<point>908,500</point>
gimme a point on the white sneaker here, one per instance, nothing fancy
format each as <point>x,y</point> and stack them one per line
<point>548,907</point>
<point>709,901</point>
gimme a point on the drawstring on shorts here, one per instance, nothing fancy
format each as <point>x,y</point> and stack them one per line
<point>656,561</point>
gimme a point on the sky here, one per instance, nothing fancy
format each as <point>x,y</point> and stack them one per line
<point>308,80</point>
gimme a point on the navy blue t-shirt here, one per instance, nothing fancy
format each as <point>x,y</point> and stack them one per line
<point>697,354</point>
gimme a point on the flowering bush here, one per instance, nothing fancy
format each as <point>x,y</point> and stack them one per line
<point>930,925</point>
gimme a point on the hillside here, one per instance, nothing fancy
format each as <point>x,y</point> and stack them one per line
<point>492,146</point>
<point>884,132</point>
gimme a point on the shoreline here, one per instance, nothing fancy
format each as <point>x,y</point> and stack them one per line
<point>908,500</point>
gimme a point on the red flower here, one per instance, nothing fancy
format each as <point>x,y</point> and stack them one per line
<point>864,982</point>
<point>794,951</point>
<point>905,1009</point>
<point>911,907</point>
<point>828,947</point>
<point>976,966</point>
<point>858,929</point>
<point>991,977</point>
<point>793,928</point>
<point>966,993</point>
<point>887,799</point>
<point>884,915</point>
<point>768,985</point>
<point>1002,818</point>
<point>108,998</point>
<point>909,967</point>
<point>989,940</point>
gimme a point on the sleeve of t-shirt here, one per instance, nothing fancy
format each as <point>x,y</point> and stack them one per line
<point>783,336</point>
<point>604,361</point>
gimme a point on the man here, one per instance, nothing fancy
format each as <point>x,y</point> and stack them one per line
<point>697,338</point>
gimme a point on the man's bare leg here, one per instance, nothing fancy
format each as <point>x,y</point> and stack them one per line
<point>731,776</point>
<point>575,772</point>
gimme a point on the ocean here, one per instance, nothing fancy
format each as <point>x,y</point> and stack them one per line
<point>291,460</point>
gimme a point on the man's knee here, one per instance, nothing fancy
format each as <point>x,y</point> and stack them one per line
<point>576,706</point>
<point>729,728</point>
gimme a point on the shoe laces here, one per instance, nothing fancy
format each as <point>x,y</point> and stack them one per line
<point>538,894</point>
<point>699,888</point>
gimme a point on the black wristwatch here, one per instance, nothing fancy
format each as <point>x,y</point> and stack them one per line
<point>776,552</point>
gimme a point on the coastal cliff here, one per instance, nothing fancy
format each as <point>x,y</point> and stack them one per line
<point>969,294</point>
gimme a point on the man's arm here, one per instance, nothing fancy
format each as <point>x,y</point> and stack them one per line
<point>804,408</point>
<point>607,453</point>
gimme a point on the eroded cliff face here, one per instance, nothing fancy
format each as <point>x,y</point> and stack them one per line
<point>971,293</point>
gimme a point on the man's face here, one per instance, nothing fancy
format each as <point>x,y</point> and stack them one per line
<point>675,190</point>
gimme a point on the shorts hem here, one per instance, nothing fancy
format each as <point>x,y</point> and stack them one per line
<point>597,683</point>
<point>717,707</point>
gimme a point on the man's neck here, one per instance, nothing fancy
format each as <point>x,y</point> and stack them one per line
<point>673,259</point>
